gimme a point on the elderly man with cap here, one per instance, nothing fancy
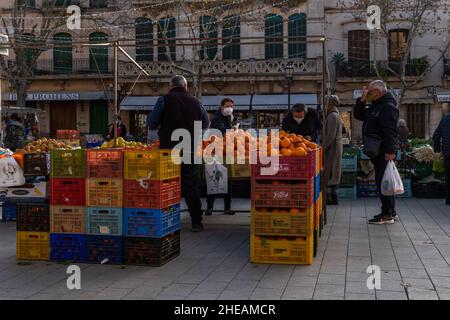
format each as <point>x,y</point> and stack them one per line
<point>332,145</point>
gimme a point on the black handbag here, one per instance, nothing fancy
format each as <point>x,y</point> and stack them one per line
<point>372,145</point>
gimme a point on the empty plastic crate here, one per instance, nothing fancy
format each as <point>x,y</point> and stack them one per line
<point>32,245</point>
<point>281,250</point>
<point>67,219</point>
<point>283,223</point>
<point>68,192</point>
<point>67,134</point>
<point>105,249</point>
<point>36,164</point>
<point>283,194</point>
<point>348,179</point>
<point>349,164</point>
<point>288,168</point>
<point>104,221</point>
<point>317,187</point>
<point>152,164</point>
<point>33,217</point>
<point>152,194</point>
<point>101,192</point>
<point>348,193</point>
<point>68,247</point>
<point>151,223</point>
<point>104,163</point>
<point>153,252</point>
<point>68,163</point>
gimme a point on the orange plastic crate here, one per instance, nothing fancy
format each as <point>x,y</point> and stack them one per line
<point>104,163</point>
<point>152,194</point>
<point>68,219</point>
<point>104,192</point>
<point>68,134</point>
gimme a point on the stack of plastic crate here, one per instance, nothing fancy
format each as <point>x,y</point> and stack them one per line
<point>68,205</point>
<point>349,165</point>
<point>283,211</point>
<point>318,212</point>
<point>104,200</point>
<point>152,195</point>
<point>33,211</point>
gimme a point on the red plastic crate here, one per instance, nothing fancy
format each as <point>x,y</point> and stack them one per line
<point>152,194</point>
<point>289,168</point>
<point>68,134</point>
<point>68,192</point>
<point>104,163</point>
<point>283,194</point>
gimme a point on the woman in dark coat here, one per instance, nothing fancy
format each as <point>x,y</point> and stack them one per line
<point>222,120</point>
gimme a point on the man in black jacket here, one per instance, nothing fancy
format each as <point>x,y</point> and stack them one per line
<point>302,120</point>
<point>380,119</point>
<point>441,138</point>
<point>222,120</point>
<point>179,110</point>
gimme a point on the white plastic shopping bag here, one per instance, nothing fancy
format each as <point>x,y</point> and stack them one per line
<point>391,184</point>
<point>11,174</point>
<point>216,178</point>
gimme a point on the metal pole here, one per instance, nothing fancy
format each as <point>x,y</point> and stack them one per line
<point>116,89</point>
<point>324,119</point>
<point>1,131</point>
<point>289,94</point>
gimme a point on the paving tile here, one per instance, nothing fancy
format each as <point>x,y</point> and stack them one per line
<point>266,294</point>
<point>145,292</point>
<point>126,284</point>
<point>178,289</point>
<point>298,293</point>
<point>422,294</point>
<point>112,294</point>
<point>331,279</point>
<point>443,293</point>
<point>202,296</point>
<point>442,282</point>
<point>302,281</point>
<point>359,287</point>
<point>414,273</point>
<point>359,296</point>
<point>211,287</point>
<point>329,289</point>
<point>234,295</point>
<point>419,283</point>
<point>390,295</point>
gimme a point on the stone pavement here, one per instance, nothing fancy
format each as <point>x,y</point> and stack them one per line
<point>413,254</point>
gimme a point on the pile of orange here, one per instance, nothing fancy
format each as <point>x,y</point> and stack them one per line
<point>293,145</point>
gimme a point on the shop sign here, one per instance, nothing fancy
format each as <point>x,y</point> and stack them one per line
<point>443,97</point>
<point>48,96</point>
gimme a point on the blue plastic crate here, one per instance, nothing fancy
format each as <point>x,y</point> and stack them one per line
<point>9,211</point>
<point>151,223</point>
<point>104,221</point>
<point>348,193</point>
<point>349,164</point>
<point>105,249</point>
<point>68,247</point>
<point>317,187</point>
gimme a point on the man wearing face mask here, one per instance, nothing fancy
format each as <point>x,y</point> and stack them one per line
<point>302,120</point>
<point>222,120</point>
<point>377,108</point>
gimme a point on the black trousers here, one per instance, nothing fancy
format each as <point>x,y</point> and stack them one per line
<point>190,180</point>
<point>447,179</point>
<point>226,198</point>
<point>387,202</point>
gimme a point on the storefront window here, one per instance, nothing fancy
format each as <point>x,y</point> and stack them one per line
<point>271,119</point>
<point>138,125</point>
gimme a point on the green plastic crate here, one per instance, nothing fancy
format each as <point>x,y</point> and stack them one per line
<point>68,163</point>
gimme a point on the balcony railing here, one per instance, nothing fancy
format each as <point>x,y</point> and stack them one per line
<point>249,67</point>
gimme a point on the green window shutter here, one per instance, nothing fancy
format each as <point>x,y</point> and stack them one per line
<point>273,36</point>
<point>98,56</point>
<point>166,30</point>
<point>144,39</point>
<point>62,53</point>
<point>297,36</point>
<point>231,35</point>
<point>208,34</point>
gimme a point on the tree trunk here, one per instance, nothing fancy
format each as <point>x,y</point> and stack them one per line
<point>21,87</point>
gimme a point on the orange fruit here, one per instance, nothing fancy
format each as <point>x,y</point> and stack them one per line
<point>294,210</point>
<point>283,133</point>
<point>285,142</point>
<point>292,147</point>
<point>286,152</point>
<point>299,152</point>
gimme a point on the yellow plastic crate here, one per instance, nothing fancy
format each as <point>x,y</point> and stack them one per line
<point>104,193</point>
<point>281,250</point>
<point>318,211</point>
<point>241,171</point>
<point>150,165</point>
<point>32,245</point>
<point>283,224</point>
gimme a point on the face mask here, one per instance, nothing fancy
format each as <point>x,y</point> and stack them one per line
<point>298,120</point>
<point>227,112</point>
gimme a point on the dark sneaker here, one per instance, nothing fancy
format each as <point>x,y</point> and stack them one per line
<point>382,220</point>
<point>208,212</point>
<point>230,212</point>
<point>394,216</point>
<point>197,227</point>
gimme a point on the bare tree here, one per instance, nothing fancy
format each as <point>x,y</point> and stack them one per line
<point>203,20</point>
<point>29,29</point>
<point>418,17</point>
